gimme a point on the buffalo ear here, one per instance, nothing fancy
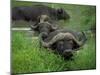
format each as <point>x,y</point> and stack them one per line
<point>60,11</point>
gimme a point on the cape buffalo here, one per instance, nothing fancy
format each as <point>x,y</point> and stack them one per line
<point>44,25</point>
<point>64,42</point>
<point>30,13</point>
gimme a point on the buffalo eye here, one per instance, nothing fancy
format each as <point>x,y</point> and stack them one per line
<point>60,45</point>
<point>71,41</point>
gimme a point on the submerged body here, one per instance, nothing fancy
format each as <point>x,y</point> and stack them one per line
<point>30,13</point>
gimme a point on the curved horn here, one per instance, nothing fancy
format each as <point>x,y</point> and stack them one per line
<point>81,42</point>
<point>54,27</point>
<point>34,26</point>
<point>61,36</point>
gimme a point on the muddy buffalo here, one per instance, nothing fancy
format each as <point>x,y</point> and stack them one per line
<point>44,25</point>
<point>30,13</point>
<point>64,42</point>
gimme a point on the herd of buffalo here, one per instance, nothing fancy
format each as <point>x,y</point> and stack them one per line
<point>44,18</point>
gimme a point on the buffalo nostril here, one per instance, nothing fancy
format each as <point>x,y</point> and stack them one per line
<point>44,35</point>
<point>68,50</point>
<point>67,53</point>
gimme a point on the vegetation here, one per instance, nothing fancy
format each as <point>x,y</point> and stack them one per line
<point>27,57</point>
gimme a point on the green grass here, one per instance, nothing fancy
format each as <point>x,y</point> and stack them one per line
<point>27,57</point>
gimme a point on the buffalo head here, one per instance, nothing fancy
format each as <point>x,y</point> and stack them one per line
<point>62,14</point>
<point>43,26</point>
<point>64,43</point>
